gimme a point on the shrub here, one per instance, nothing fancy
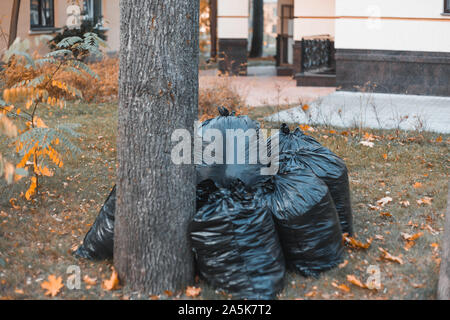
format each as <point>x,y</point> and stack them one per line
<point>87,26</point>
<point>219,93</point>
<point>34,85</point>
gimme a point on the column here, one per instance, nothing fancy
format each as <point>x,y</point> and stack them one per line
<point>232,27</point>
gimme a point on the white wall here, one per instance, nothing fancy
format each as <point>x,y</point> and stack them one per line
<point>314,18</point>
<point>232,19</point>
<point>409,25</point>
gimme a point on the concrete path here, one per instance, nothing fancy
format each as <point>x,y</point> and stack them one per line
<point>262,87</point>
<point>374,110</point>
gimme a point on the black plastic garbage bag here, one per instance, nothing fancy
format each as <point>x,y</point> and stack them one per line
<point>98,244</point>
<point>236,246</point>
<point>243,164</point>
<point>306,220</point>
<point>326,165</point>
<point>204,190</point>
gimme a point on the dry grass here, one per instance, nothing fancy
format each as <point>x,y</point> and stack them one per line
<point>36,237</point>
<point>218,93</point>
<point>104,89</point>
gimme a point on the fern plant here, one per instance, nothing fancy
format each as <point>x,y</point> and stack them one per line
<point>40,89</point>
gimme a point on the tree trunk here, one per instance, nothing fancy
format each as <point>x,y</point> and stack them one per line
<point>14,22</point>
<point>444,276</point>
<point>213,27</point>
<point>258,29</point>
<point>158,93</point>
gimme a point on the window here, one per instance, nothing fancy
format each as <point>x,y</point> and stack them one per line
<point>42,14</point>
<point>446,6</point>
<point>92,10</point>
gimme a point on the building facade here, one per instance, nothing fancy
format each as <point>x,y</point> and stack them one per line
<point>38,17</point>
<point>400,46</point>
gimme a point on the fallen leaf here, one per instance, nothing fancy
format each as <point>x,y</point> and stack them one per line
<point>193,291</point>
<point>435,246</point>
<point>355,243</point>
<point>385,214</point>
<point>385,156</point>
<point>417,185</point>
<point>53,285</point>
<point>404,204</point>
<point>90,281</point>
<point>374,208</point>
<point>343,264</point>
<point>369,137</point>
<point>432,231</point>
<point>168,293</point>
<point>418,285</point>
<point>13,202</point>
<point>384,201</point>
<point>410,237</point>
<point>311,294</point>
<point>341,287</point>
<point>387,256</point>
<point>19,291</point>
<point>367,143</point>
<point>112,283</point>
<point>379,237</point>
<point>424,200</point>
<point>353,280</point>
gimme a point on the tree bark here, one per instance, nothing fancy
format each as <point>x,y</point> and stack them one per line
<point>158,93</point>
<point>213,27</point>
<point>444,275</point>
<point>258,29</point>
<point>14,22</point>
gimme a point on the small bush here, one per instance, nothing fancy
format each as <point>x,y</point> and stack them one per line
<point>87,26</point>
<point>102,89</point>
<point>219,93</point>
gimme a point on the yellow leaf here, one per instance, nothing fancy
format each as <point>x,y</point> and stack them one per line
<point>19,291</point>
<point>53,285</point>
<point>387,256</point>
<point>193,291</point>
<point>113,282</point>
<point>425,200</point>
<point>341,287</point>
<point>13,202</point>
<point>413,237</point>
<point>89,281</point>
<point>353,280</point>
<point>6,95</point>
<point>38,122</point>
<point>46,172</point>
<point>417,185</point>
<point>355,243</point>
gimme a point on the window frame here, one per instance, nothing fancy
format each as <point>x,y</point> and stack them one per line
<point>447,6</point>
<point>39,26</point>
<point>93,10</point>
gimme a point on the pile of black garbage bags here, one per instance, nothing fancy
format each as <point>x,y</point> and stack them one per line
<point>250,228</point>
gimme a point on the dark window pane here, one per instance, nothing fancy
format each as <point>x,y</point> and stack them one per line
<point>92,9</point>
<point>42,14</point>
<point>34,12</point>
